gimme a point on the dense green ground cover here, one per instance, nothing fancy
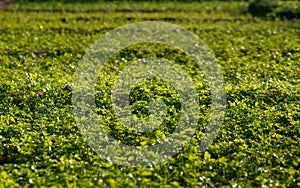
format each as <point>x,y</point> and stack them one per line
<point>42,43</point>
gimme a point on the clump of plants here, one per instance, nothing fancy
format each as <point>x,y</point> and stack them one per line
<point>262,7</point>
<point>274,9</point>
<point>287,10</point>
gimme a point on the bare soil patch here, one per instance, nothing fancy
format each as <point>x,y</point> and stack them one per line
<point>5,3</point>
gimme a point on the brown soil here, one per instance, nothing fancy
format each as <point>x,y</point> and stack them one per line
<point>5,3</point>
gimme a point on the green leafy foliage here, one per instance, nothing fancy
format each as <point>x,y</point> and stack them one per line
<point>275,9</point>
<point>262,7</point>
<point>42,43</point>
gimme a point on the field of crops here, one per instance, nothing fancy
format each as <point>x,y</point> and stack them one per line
<point>41,47</point>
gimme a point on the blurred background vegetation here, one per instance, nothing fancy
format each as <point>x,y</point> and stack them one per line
<point>258,8</point>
